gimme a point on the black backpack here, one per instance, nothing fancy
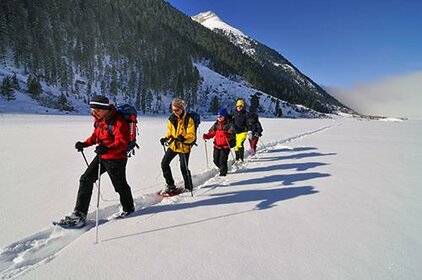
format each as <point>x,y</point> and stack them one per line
<point>196,120</point>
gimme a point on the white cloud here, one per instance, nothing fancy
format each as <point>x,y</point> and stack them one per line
<point>399,96</point>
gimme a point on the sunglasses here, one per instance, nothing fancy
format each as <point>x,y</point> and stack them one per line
<point>176,110</point>
<point>220,117</point>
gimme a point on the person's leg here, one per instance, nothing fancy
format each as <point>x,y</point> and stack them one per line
<point>238,146</point>
<point>116,169</point>
<point>184,168</point>
<point>253,143</point>
<point>240,139</point>
<point>86,184</point>
<point>165,166</point>
<point>216,157</point>
<point>224,155</point>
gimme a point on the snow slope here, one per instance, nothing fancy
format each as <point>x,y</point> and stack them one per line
<point>213,84</point>
<point>228,91</point>
<point>267,56</point>
<point>322,199</point>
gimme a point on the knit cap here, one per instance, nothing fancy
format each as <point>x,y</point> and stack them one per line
<point>222,112</point>
<point>99,102</point>
<point>240,103</point>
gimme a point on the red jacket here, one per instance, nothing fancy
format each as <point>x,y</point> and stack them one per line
<point>223,132</point>
<point>117,142</point>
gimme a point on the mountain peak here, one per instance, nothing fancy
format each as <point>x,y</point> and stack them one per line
<point>201,17</point>
<point>211,20</point>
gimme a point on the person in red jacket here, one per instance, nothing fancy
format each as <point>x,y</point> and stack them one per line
<point>111,148</point>
<point>223,132</point>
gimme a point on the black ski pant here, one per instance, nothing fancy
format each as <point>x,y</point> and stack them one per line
<point>116,169</point>
<point>220,158</point>
<point>240,154</point>
<point>184,161</point>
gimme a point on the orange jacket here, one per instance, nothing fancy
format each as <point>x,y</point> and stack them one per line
<point>117,142</point>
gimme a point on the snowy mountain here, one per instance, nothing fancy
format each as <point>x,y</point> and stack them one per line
<point>217,86</point>
<point>213,86</point>
<point>145,54</point>
<point>270,59</point>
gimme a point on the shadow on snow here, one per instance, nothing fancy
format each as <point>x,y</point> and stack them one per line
<point>266,199</point>
<point>285,179</point>
<point>297,166</point>
<point>295,156</point>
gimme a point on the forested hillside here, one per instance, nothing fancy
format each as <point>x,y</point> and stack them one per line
<point>135,51</point>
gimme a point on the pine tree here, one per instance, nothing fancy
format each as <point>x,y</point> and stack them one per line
<point>15,83</point>
<point>138,102</point>
<point>143,100</point>
<point>215,104</point>
<point>148,101</point>
<point>254,103</point>
<point>278,112</point>
<point>63,102</point>
<point>6,89</point>
<point>34,87</point>
<point>113,82</point>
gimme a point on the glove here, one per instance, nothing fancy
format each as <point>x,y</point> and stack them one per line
<point>101,149</point>
<point>79,146</point>
<point>163,141</point>
<point>181,138</point>
<point>204,137</point>
<point>257,134</point>
<point>249,135</point>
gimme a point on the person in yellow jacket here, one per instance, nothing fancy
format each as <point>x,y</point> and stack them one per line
<point>180,135</point>
<point>241,126</point>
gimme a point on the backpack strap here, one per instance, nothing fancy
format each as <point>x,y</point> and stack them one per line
<point>186,120</point>
<point>110,125</point>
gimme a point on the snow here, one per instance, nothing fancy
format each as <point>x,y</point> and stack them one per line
<point>210,20</point>
<point>390,119</point>
<point>228,91</point>
<point>213,84</point>
<point>322,199</point>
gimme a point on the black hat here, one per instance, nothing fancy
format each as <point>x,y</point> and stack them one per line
<point>99,102</point>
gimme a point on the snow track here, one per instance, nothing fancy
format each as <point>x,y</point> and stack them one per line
<point>40,248</point>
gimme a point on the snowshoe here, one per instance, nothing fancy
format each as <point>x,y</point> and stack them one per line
<point>74,220</point>
<point>169,191</point>
<point>237,162</point>
<point>124,214</point>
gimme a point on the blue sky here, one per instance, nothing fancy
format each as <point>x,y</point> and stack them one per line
<point>338,44</point>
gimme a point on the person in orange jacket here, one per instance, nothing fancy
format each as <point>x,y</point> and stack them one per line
<point>223,133</point>
<point>112,151</point>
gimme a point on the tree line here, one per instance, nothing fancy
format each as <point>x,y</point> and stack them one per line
<point>137,49</point>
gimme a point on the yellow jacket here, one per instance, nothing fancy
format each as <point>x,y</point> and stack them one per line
<point>176,127</point>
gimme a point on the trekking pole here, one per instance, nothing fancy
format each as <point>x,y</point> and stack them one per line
<point>98,200</point>
<point>87,164</point>
<point>206,153</point>
<point>231,152</point>
<point>83,154</point>
<point>262,143</point>
<point>187,171</point>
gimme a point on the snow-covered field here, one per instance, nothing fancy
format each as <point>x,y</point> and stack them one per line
<point>323,199</point>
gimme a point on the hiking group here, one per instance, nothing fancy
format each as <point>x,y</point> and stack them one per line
<point>115,136</point>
